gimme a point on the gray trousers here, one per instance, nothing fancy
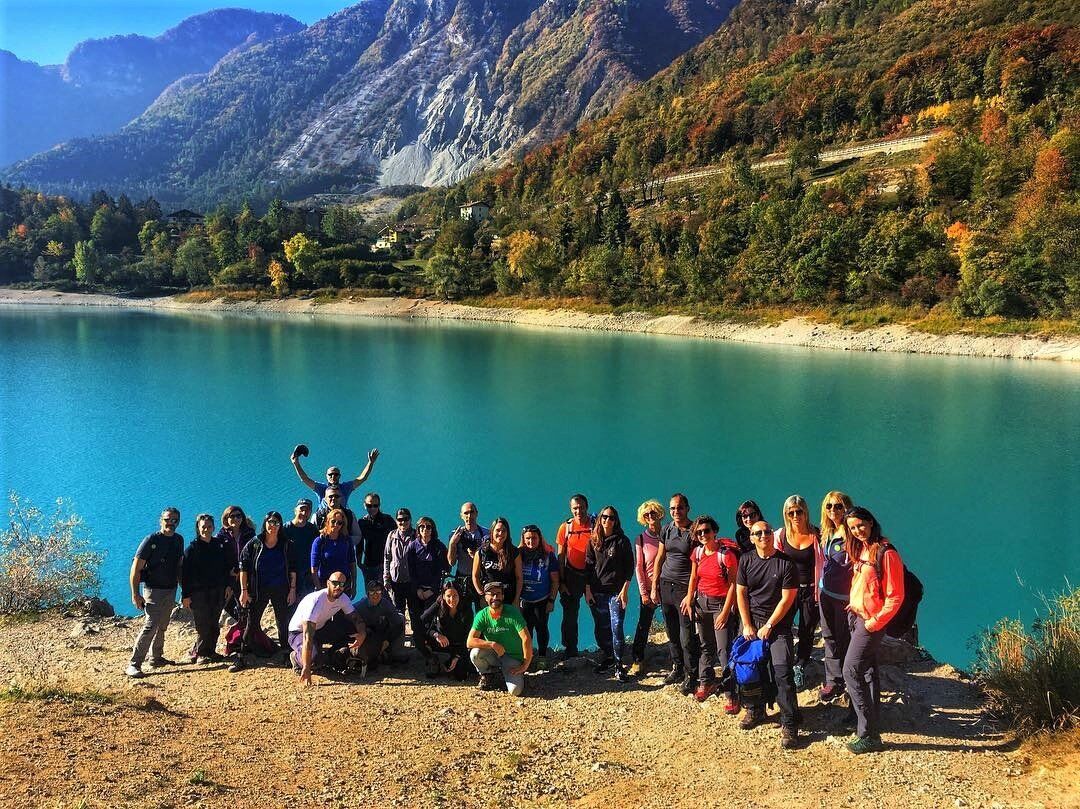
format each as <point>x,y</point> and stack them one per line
<point>159,607</point>
<point>861,677</point>
<point>836,634</point>
<point>487,661</point>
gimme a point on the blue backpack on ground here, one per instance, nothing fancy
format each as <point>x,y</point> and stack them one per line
<point>750,666</point>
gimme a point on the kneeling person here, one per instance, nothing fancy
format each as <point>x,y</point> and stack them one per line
<point>500,640</point>
<point>384,624</point>
<point>316,621</point>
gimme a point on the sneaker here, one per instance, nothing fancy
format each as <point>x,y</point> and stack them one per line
<point>751,718</point>
<point>621,674</point>
<point>161,662</point>
<point>605,664</point>
<point>237,664</point>
<point>675,676</point>
<point>829,692</point>
<point>203,660</point>
<point>731,705</point>
<point>540,663</point>
<point>637,668</point>
<point>488,682</point>
<point>363,669</point>
<point>706,690</point>
<point>799,676</point>
<point>214,657</point>
<point>867,744</point>
<point>295,661</point>
<point>689,686</point>
<point>789,737</point>
<point>134,671</point>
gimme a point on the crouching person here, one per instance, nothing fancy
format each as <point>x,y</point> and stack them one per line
<point>317,622</point>
<point>500,641</point>
<point>385,625</point>
<point>446,631</point>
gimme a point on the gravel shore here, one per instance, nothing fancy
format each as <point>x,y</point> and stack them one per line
<point>793,332</point>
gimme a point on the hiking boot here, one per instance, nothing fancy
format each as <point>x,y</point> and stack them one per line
<point>570,653</point>
<point>789,737</point>
<point>605,664</point>
<point>706,690</point>
<point>689,686</point>
<point>161,662</point>
<point>237,664</point>
<point>675,676</point>
<point>799,676</point>
<point>134,670</point>
<point>867,744</point>
<point>751,718</point>
<point>621,674</point>
<point>829,692</point>
<point>540,663</point>
<point>731,705</point>
<point>488,682</point>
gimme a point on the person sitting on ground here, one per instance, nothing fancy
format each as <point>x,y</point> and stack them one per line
<point>204,586</point>
<point>395,569</point>
<point>315,624</point>
<point>446,629</point>
<point>333,476</point>
<point>499,641</point>
<point>710,602</point>
<point>301,533</point>
<point>540,583</point>
<point>651,515</point>
<point>498,559</point>
<point>426,560</point>
<point>609,567</point>
<point>266,577</point>
<point>877,593</point>
<point>462,546</point>
<point>374,528</point>
<point>155,573</point>
<point>767,584</point>
<point>333,550</point>
<point>572,539</point>
<point>383,622</point>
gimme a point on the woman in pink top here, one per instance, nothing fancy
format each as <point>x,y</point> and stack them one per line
<point>651,515</point>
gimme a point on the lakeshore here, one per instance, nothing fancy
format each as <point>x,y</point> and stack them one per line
<point>196,735</point>
<point>792,332</point>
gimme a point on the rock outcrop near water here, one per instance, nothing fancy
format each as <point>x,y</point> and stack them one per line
<point>105,83</point>
<point>385,92</point>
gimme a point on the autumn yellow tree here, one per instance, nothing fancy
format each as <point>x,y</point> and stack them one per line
<point>279,278</point>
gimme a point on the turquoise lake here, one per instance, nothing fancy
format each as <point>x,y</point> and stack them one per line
<point>972,466</point>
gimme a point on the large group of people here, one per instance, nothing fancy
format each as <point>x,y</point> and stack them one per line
<point>344,591</point>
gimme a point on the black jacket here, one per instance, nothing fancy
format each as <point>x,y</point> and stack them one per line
<point>249,562</point>
<point>206,566</point>
<point>438,620</point>
<point>611,566</point>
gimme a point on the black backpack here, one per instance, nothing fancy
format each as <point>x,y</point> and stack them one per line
<point>904,619</point>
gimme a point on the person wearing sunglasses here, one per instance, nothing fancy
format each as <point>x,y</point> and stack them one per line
<point>333,550</point>
<point>318,622</point>
<point>834,592</point>
<point>236,531</point>
<point>385,626</point>
<point>766,587</point>
<point>651,515</point>
<point>709,602</point>
<point>204,586</point>
<point>800,542</point>
<point>155,574</point>
<point>572,540</point>
<point>670,590</point>
<point>540,585</point>
<point>374,527</point>
<point>333,476</point>
<point>267,577</point>
<point>877,592</point>
<point>395,569</point>
<point>746,515</point>
<point>609,567</point>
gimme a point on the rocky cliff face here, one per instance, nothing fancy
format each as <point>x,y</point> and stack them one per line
<point>104,83</point>
<point>387,92</point>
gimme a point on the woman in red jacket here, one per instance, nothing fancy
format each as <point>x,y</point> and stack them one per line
<point>877,591</point>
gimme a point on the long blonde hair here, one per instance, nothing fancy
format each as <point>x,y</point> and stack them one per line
<point>828,527</point>
<point>795,501</point>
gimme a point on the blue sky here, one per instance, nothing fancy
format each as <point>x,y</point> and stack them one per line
<point>43,31</point>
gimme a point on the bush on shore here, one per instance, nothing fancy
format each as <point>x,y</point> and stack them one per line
<point>45,559</point>
<point>1032,678</point>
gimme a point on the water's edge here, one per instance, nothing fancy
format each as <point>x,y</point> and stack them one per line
<point>794,332</point>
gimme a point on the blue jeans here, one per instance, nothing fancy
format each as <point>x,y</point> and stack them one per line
<point>608,616</point>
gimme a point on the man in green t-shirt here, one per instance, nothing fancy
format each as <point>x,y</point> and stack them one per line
<point>499,639</point>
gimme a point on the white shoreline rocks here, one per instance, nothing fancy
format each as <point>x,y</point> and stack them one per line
<point>797,331</point>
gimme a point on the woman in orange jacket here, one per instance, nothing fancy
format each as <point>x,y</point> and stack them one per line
<point>877,591</point>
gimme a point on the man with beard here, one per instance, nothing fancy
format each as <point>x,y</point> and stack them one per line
<point>500,641</point>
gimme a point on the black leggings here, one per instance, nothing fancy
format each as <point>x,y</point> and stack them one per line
<point>682,638</point>
<point>806,604</point>
<point>278,598</point>
<point>536,619</point>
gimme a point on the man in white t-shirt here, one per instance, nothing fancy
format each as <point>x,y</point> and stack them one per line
<point>312,625</point>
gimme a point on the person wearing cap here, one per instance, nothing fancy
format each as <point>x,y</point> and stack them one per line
<point>333,476</point>
<point>300,533</point>
<point>374,528</point>
<point>500,641</point>
<point>383,623</point>
<point>316,622</point>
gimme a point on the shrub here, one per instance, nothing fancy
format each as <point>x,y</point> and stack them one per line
<point>45,559</point>
<point>1032,679</point>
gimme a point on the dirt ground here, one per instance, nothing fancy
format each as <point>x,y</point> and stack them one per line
<point>198,736</point>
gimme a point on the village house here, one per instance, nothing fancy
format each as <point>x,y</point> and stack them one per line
<point>476,212</point>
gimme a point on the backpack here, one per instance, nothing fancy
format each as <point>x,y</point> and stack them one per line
<point>904,620</point>
<point>260,641</point>
<point>749,673</point>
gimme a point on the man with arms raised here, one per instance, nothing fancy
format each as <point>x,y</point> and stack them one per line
<point>333,475</point>
<point>314,624</point>
<point>500,640</point>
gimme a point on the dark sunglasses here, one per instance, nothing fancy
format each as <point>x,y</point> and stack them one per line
<point>703,532</point>
<point>607,516</point>
<point>371,505</point>
<point>334,583</point>
<point>764,533</point>
<point>834,506</point>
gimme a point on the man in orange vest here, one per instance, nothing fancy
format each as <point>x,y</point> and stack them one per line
<point>572,540</point>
